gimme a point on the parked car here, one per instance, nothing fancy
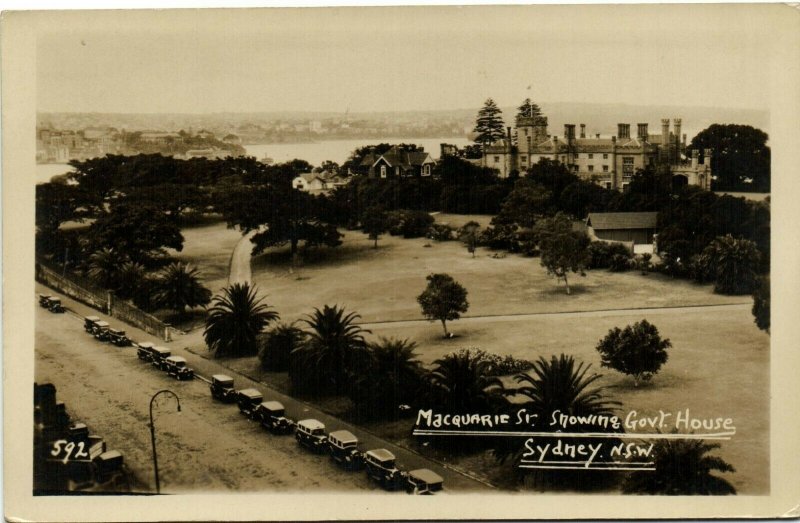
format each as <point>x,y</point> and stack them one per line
<point>310,434</point>
<point>100,330</point>
<point>158,355</point>
<point>54,305</point>
<point>380,466</point>
<point>176,367</point>
<point>272,417</point>
<point>222,388</point>
<point>249,400</point>
<point>423,481</point>
<point>343,447</point>
<point>44,300</point>
<point>145,350</point>
<point>88,323</point>
<point>118,337</point>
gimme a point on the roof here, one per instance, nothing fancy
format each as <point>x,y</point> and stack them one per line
<point>402,158</point>
<point>272,405</point>
<point>177,359</point>
<point>426,475</point>
<point>343,436</point>
<point>622,220</point>
<point>311,424</point>
<point>252,393</point>
<point>381,454</point>
<point>92,318</point>
<point>146,344</point>
<point>221,377</point>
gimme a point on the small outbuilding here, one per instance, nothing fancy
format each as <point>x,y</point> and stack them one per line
<point>636,227</point>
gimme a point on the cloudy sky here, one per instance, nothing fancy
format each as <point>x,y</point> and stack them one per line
<point>381,59</point>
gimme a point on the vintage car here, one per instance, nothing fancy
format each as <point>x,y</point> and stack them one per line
<point>158,355</point>
<point>54,305</point>
<point>222,388</point>
<point>310,433</point>
<point>248,401</point>
<point>44,300</point>
<point>88,323</point>
<point>423,481</point>
<point>144,350</point>
<point>343,447</point>
<point>380,466</point>
<point>118,337</point>
<point>176,367</point>
<point>100,330</point>
<point>272,417</point>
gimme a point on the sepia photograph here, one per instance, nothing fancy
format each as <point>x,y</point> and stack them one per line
<point>512,253</point>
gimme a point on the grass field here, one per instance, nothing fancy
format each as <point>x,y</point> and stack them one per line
<point>209,247</point>
<point>718,365</point>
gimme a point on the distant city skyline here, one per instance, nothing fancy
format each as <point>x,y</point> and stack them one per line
<point>405,59</point>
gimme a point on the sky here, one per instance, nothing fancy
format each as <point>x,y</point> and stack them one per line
<point>387,59</point>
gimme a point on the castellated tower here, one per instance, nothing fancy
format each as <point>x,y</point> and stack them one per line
<point>531,131</point>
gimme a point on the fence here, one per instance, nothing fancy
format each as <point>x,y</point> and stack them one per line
<point>86,291</point>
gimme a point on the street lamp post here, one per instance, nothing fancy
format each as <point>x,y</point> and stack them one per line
<point>153,432</point>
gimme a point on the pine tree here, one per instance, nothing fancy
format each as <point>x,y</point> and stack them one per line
<point>489,124</point>
<point>528,109</point>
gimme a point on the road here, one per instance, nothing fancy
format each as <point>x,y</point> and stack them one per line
<point>208,445</point>
<point>240,260</point>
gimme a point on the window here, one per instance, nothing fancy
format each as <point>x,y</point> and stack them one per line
<point>523,159</point>
<point>627,166</point>
<point>383,171</point>
<point>625,186</point>
<point>496,159</point>
<point>591,168</point>
<point>397,170</point>
<point>605,168</point>
<point>591,156</point>
<point>529,140</point>
<point>426,169</point>
<point>608,185</point>
<point>605,156</point>
<point>577,155</point>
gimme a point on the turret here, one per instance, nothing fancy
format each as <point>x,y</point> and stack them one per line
<point>677,124</point>
<point>707,157</point>
<point>665,132</point>
<point>695,155</point>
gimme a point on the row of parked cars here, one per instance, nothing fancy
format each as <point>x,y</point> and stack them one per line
<point>340,445</point>
<point>162,359</point>
<point>102,331</point>
<point>51,303</point>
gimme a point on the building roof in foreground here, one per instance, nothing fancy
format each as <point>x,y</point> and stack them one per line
<point>622,220</point>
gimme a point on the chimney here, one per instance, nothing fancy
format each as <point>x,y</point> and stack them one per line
<point>684,140</point>
<point>665,131</point>
<point>642,131</point>
<point>623,130</point>
<point>597,136</point>
<point>695,154</point>
<point>569,131</point>
<point>583,130</point>
<point>707,157</point>
<point>677,124</point>
<point>508,134</point>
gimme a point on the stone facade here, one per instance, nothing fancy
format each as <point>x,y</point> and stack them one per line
<point>610,162</point>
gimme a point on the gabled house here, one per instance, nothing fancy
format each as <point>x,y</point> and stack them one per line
<point>318,182</point>
<point>398,162</point>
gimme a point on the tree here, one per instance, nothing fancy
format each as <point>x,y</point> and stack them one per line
<point>443,299</point>
<point>135,232</point>
<point>682,468</point>
<point>103,267</point>
<point>761,310</point>
<point>563,249</point>
<point>528,110</point>
<point>638,350</point>
<point>741,158</point>
<point>489,125</point>
<point>393,378</point>
<point>332,354</point>
<point>130,277</point>
<point>469,235</point>
<point>178,286</point>
<point>559,385</point>
<point>235,319</point>
<point>528,202</point>
<point>732,264</point>
<point>460,383</point>
<point>277,345</point>
<point>374,222</point>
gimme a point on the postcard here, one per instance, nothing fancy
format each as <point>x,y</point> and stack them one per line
<point>454,262</point>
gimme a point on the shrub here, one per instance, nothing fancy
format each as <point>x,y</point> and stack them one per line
<point>500,237</point>
<point>638,350</point>
<point>408,224</point>
<point>620,263</point>
<point>276,345</point>
<point>644,263</point>
<point>496,365</point>
<point>440,232</point>
<point>761,307</point>
<point>602,253</point>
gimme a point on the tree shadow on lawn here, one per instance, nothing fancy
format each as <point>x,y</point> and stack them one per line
<point>575,289</point>
<point>280,260</point>
<point>187,321</point>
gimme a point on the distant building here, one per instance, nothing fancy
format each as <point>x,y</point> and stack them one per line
<point>398,162</point>
<point>636,227</point>
<point>206,135</point>
<point>210,153</point>
<point>610,161</point>
<point>159,137</point>
<point>318,182</point>
<point>232,138</point>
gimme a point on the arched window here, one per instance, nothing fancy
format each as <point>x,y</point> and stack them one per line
<point>383,171</point>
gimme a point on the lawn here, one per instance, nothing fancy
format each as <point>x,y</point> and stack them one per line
<point>209,247</point>
<point>718,366</point>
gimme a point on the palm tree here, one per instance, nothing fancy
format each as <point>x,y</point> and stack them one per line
<point>276,346</point>
<point>682,468</point>
<point>103,266</point>
<point>461,383</point>
<point>393,378</point>
<point>557,384</point>
<point>235,320</point>
<point>130,276</point>
<point>178,286</point>
<point>331,354</point>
